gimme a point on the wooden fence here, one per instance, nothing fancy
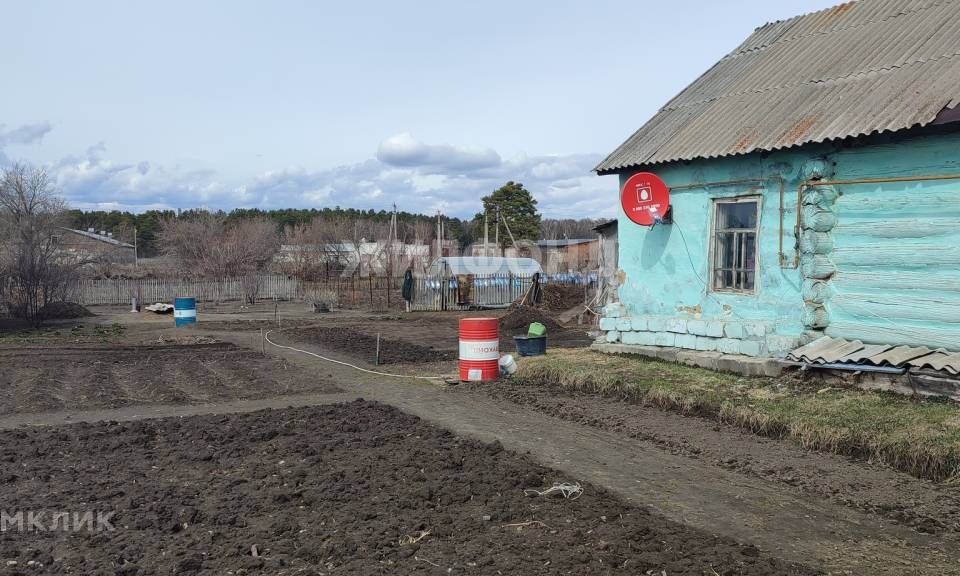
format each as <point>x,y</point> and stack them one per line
<point>377,293</point>
<point>148,290</point>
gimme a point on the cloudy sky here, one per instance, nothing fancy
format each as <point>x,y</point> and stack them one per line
<point>426,104</point>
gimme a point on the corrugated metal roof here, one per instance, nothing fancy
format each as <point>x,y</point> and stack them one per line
<point>605,226</point>
<point>564,242</point>
<point>100,238</point>
<point>940,360</point>
<point>827,350</point>
<point>858,68</point>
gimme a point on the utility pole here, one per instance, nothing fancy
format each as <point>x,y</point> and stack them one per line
<point>391,247</point>
<point>486,234</point>
<point>507,226</point>
<point>136,260</point>
<point>497,230</point>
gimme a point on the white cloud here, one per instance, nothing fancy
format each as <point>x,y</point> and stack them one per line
<point>406,151</point>
<point>417,177</point>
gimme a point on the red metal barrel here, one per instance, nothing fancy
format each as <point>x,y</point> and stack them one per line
<point>479,349</point>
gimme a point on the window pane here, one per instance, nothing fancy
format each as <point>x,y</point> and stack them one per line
<point>735,252</point>
<point>725,250</point>
<point>738,215</point>
<point>724,279</point>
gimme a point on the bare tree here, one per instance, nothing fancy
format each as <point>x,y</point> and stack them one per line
<point>250,248</point>
<point>34,271</point>
<point>300,254</point>
<point>319,247</point>
<point>188,241</point>
<point>206,246</point>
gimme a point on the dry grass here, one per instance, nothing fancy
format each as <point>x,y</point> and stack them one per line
<point>918,437</point>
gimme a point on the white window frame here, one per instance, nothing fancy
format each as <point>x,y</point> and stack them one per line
<point>714,211</point>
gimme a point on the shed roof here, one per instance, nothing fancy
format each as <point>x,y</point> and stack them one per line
<point>563,242</point>
<point>606,226</point>
<point>100,238</point>
<point>863,67</point>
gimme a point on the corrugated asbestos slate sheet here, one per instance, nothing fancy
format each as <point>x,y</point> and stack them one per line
<point>858,68</point>
<point>827,350</point>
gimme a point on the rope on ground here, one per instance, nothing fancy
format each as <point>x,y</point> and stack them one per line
<point>569,491</point>
<point>521,525</point>
<point>347,364</point>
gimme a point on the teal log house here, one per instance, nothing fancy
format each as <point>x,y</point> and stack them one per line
<point>814,181</point>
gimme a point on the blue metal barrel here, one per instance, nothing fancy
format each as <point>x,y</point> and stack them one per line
<point>185,311</point>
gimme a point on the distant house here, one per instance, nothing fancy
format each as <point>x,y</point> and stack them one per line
<point>569,255</point>
<point>814,185</point>
<point>363,258</point>
<point>93,245</point>
<point>492,249</point>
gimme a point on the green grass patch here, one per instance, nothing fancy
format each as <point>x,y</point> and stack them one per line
<point>918,437</point>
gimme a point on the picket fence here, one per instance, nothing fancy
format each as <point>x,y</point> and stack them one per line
<point>91,292</point>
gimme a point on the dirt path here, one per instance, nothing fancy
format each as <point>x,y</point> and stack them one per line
<point>796,527</point>
<point>874,488</point>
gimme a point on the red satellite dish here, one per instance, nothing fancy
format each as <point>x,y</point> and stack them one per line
<point>645,198</point>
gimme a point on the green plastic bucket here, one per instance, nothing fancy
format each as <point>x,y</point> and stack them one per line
<point>536,329</point>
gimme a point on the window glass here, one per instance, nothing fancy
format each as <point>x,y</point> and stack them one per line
<point>735,251</point>
<point>737,215</point>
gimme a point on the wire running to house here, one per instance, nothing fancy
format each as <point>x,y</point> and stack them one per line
<point>693,267</point>
<point>347,364</point>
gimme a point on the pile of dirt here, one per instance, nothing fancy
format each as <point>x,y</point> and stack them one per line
<point>64,311</point>
<point>356,488</point>
<point>520,317</point>
<point>561,297</point>
<point>364,346</point>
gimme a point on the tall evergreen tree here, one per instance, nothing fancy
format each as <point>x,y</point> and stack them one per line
<point>515,205</point>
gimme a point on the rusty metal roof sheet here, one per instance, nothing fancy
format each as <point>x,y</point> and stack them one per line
<point>855,69</point>
<point>827,350</point>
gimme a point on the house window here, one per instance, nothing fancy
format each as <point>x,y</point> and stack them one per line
<point>734,262</point>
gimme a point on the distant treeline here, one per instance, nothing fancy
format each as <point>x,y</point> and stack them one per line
<point>148,224</point>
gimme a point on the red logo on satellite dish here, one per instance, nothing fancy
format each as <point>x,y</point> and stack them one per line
<point>645,198</point>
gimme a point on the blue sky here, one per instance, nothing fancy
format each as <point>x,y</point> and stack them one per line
<point>431,104</point>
